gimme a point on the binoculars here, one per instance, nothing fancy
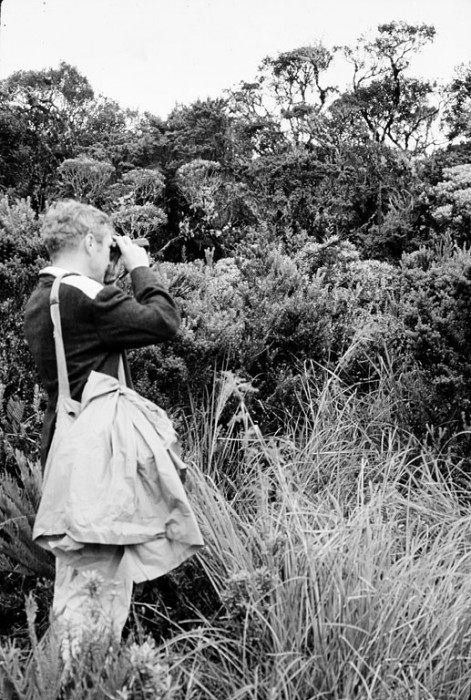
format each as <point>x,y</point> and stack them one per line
<point>111,274</point>
<point>115,251</point>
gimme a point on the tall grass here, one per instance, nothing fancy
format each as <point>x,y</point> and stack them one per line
<point>342,560</point>
<point>339,550</point>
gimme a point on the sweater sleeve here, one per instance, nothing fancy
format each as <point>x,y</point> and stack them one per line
<point>125,321</point>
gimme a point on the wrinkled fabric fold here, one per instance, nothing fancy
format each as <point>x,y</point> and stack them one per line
<point>112,478</point>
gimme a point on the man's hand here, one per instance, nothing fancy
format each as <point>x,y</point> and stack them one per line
<point>132,255</point>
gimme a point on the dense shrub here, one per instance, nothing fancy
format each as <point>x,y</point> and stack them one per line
<point>270,307</point>
<point>21,256</point>
<point>451,202</point>
<point>433,307</point>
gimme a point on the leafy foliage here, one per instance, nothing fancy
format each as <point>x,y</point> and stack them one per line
<point>84,178</point>
<point>22,255</point>
<point>320,379</point>
<point>394,107</point>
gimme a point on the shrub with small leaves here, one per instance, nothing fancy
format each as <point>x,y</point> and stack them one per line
<point>451,202</point>
<point>144,185</point>
<point>84,178</point>
<point>139,220</point>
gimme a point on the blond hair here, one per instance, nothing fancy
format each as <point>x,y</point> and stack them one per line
<point>67,222</point>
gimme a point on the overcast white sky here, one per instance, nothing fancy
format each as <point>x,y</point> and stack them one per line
<point>153,54</point>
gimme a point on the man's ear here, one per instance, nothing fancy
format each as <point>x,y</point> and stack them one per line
<point>89,242</point>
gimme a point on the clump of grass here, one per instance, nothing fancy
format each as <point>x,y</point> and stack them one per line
<point>341,560</point>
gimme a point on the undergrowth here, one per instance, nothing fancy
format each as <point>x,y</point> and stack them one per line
<point>337,558</point>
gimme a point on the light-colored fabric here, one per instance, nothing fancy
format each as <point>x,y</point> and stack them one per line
<point>53,270</point>
<point>87,285</point>
<point>111,478</point>
<point>92,592</point>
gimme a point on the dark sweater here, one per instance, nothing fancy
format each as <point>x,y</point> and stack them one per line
<point>98,324</point>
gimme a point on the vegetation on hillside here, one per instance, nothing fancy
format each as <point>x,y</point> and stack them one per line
<point>317,240</point>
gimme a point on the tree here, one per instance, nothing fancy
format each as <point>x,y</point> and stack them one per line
<point>144,184</point>
<point>396,109</point>
<point>134,208</point>
<point>278,108</point>
<point>457,118</point>
<point>84,178</point>
<point>43,113</point>
<point>52,115</point>
<point>294,77</point>
<point>126,138</point>
<point>201,130</point>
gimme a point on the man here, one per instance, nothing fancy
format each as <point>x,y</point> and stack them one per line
<point>99,322</point>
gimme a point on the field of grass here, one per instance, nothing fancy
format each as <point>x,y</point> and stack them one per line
<point>338,560</point>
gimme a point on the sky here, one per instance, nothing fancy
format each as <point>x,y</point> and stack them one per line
<point>155,54</point>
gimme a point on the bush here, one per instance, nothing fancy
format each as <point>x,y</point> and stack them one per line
<point>433,307</point>
<point>21,257</point>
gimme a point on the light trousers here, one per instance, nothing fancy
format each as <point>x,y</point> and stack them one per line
<point>92,591</point>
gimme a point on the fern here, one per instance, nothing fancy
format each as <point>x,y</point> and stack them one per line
<point>19,500</point>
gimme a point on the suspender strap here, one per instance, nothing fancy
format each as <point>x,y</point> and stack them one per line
<point>63,377</point>
<point>121,372</point>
